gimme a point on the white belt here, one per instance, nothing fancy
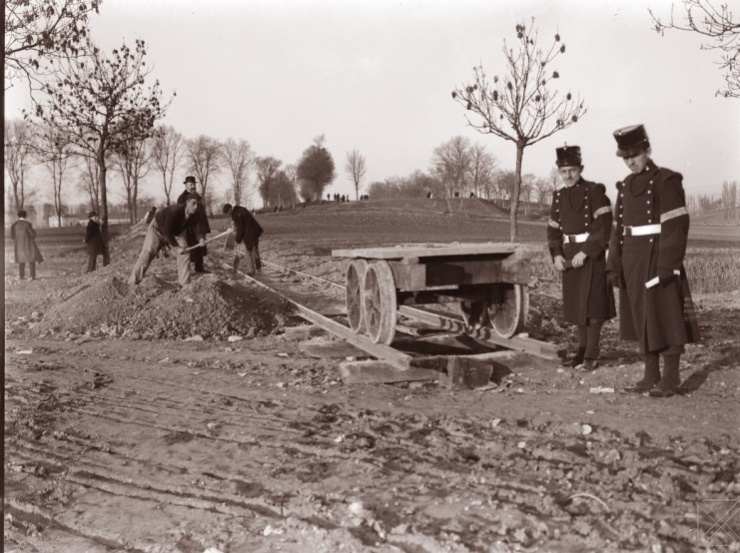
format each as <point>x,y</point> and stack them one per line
<point>643,230</point>
<point>576,238</point>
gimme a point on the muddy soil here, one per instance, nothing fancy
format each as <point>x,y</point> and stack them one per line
<point>213,418</point>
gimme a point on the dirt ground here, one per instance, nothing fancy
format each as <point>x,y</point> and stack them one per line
<point>214,419</point>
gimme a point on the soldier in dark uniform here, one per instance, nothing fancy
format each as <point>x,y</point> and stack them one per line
<point>196,233</point>
<point>646,253</point>
<point>577,237</point>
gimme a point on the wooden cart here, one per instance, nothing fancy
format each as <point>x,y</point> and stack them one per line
<point>489,281</point>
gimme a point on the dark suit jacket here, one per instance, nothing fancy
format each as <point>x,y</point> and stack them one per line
<point>173,222</point>
<point>247,229</point>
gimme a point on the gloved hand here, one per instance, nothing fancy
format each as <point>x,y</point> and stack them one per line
<point>579,259</point>
<point>616,279</point>
<point>666,276</point>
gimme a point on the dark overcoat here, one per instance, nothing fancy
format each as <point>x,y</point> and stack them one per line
<point>199,230</point>
<point>577,210</point>
<point>662,315</point>
<point>246,227</point>
<point>94,239</point>
<point>24,238</point>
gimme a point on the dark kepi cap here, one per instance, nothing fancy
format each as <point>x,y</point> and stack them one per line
<point>189,178</point>
<point>568,156</point>
<point>91,215</point>
<point>631,140</point>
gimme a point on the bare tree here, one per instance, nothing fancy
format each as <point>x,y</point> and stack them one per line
<point>168,150</point>
<point>356,169</point>
<point>53,149</point>
<point>89,182</point>
<point>481,169</point>
<point>717,25</point>
<point>205,157</point>
<point>267,168</point>
<point>239,158</point>
<point>41,30</point>
<point>520,106</point>
<point>451,163</point>
<point>18,160</point>
<point>132,159</point>
<point>100,103</point>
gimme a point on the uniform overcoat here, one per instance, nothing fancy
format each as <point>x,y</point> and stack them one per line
<point>577,210</point>
<point>24,238</point>
<point>659,316</point>
<point>94,239</point>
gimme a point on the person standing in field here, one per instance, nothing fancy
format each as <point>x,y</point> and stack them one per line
<point>26,251</point>
<point>646,254</point>
<point>577,237</point>
<point>197,232</point>
<point>169,228</point>
<point>93,241</point>
<point>247,236</point>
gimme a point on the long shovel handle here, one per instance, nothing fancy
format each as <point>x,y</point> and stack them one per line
<point>224,233</point>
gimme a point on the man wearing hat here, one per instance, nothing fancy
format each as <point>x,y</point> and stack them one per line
<point>577,237</point>
<point>93,241</point>
<point>26,250</point>
<point>197,232</point>
<point>646,253</point>
<point>169,227</point>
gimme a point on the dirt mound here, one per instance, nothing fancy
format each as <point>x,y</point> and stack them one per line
<point>208,307</point>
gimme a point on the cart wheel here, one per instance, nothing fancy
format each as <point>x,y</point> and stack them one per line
<point>475,313</point>
<point>379,302</point>
<point>354,285</point>
<point>508,316</point>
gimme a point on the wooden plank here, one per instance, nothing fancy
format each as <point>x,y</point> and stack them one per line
<point>397,359</point>
<point>364,372</point>
<point>517,343</point>
<point>430,250</point>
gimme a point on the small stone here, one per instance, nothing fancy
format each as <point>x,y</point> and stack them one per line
<point>521,445</point>
<point>612,456</point>
<point>234,338</point>
<point>196,338</point>
<point>586,429</point>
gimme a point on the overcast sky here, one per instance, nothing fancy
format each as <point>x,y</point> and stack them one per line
<point>376,76</point>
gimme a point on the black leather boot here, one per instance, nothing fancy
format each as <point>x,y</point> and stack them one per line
<point>668,385</point>
<point>651,376</point>
<point>577,359</point>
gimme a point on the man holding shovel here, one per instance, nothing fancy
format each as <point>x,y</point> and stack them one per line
<point>169,228</point>
<point>248,232</point>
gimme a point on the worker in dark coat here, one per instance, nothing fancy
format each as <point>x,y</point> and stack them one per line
<point>93,241</point>
<point>247,237</point>
<point>646,253</point>
<point>169,228</point>
<point>26,251</point>
<point>577,237</point>
<point>196,233</point>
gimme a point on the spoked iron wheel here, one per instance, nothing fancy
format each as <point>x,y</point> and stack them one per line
<point>354,286</point>
<point>379,303</point>
<point>508,311</point>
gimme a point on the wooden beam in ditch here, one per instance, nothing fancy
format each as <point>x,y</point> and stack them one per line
<point>517,343</point>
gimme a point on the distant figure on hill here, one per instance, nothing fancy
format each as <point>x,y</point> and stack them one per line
<point>26,251</point>
<point>93,241</point>
<point>646,254</point>
<point>247,237</point>
<point>169,228</point>
<point>149,217</point>
<point>196,233</point>
<point>578,233</point>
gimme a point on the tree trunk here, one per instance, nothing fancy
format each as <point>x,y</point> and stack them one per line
<point>104,201</point>
<point>517,188</point>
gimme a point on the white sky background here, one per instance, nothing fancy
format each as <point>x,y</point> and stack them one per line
<point>376,76</point>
